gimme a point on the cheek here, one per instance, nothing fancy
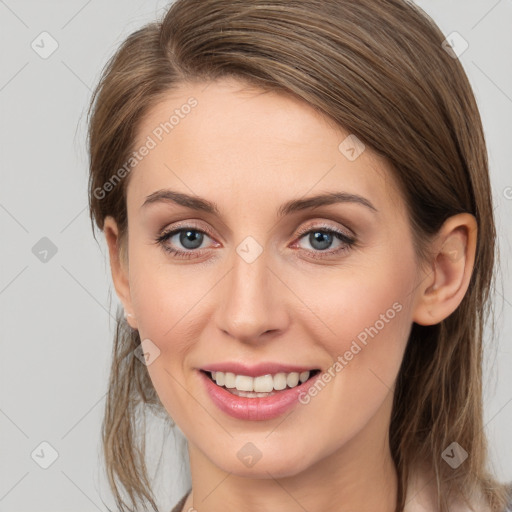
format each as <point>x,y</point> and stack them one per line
<point>365,321</point>
<point>366,301</point>
<point>166,302</point>
<point>164,298</point>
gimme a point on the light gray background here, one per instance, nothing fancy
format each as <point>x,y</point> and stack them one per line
<point>57,316</point>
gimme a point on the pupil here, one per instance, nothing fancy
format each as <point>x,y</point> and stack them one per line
<point>191,237</point>
<point>325,239</point>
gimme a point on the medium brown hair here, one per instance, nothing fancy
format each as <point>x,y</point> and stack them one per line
<point>378,70</point>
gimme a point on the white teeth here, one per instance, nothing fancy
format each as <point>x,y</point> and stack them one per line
<point>244,383</point>
<point>220,378</point>
<point>263,384</point>
<point>279,381</point>
<point>260,384</point>
<point>229,380</point>
<point>248,394</point>
<point>292,379</point>
<point>304,376</point>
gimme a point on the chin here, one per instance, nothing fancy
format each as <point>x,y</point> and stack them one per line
<point>277,465</point>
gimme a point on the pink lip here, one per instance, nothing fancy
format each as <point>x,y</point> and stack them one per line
<point>255,370</point>
<point>255,409</point>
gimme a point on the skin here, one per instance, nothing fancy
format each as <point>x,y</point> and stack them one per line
<point>249,152</point>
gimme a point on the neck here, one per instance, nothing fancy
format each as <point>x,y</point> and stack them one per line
<point>360,475</point>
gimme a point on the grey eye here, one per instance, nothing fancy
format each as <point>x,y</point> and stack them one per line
<point>190,238</point>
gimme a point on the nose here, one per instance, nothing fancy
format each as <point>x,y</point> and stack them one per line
<point>252,306</point>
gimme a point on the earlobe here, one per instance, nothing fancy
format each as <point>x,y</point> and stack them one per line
<point>119,268</point>
<point>443,287</point>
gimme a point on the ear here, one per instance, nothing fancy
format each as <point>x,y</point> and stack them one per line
<point>446,280</point>
<point>119,267</point>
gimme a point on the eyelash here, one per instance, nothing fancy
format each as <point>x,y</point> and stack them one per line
<point>349,242</point>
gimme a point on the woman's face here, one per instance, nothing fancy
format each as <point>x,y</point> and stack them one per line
<point>265,285</point>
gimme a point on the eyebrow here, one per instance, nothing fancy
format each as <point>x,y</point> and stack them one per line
<point>294,205</point>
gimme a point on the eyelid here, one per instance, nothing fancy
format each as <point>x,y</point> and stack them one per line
<point>182,225</point>
<point>348,242</point>
<point>323,224</point>
<point>318,224</point>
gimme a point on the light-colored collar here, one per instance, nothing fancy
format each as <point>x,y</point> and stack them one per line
<point>421,496</point>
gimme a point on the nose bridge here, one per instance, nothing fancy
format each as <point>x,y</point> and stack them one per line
<point>251,304</point>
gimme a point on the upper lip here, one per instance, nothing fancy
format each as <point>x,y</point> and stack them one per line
<point>256,370</point>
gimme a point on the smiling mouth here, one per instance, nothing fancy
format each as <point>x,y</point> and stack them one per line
<point>261,386</point>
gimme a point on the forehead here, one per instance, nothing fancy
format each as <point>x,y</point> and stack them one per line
<point>207,139</point>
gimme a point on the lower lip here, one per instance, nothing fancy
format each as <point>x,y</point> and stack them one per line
<point>255,409</point>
